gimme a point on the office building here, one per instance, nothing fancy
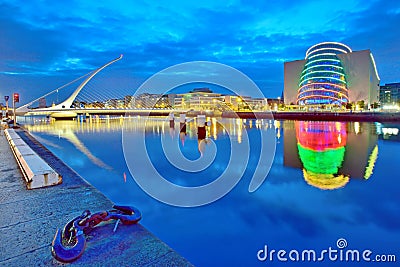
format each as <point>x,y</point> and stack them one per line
<point>389,94</point>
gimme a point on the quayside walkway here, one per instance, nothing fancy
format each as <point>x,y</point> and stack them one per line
<point>29,220</point>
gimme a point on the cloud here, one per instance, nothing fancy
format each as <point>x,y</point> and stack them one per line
<point>377,29</point>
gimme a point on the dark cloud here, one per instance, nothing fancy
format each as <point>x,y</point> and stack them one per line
<point>378,29</point>
<point>27,46</point>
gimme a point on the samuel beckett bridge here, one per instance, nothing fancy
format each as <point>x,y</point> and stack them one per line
<point>91,99</point>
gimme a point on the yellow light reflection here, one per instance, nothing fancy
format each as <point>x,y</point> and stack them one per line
<point>371,163</point>
<point>325,181</point>
<point>357,128</point>
<point>214,126</point>
<point>239,135</point>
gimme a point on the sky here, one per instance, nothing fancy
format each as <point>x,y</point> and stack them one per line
<point>45,44</point>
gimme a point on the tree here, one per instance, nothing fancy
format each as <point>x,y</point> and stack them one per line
<point>375,105</point>
<point>361,104</point>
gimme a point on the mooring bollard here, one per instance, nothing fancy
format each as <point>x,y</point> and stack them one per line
<point>171,120</point>
<point>182,121</point>
<point>201,128</point>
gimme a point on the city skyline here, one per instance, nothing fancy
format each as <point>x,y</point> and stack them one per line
<point>46,46</point>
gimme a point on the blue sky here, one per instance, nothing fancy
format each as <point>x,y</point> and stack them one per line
<point>45,44</point>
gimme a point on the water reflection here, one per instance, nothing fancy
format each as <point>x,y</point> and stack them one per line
<point>98,125</point>
<point>295,211</point>
<point>65,130</point>
<point>72,131</point>
<point>388,131</point>
<point>203,133</point>
<point>330,153</point>
<point>321,147</point>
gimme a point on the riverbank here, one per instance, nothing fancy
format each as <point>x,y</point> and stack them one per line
<point>29,220</point>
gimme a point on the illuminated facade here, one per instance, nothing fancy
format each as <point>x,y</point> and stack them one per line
<point>331,74</point>
<point>198,99</point>
<point>323,80</point>
<point>205,99</point>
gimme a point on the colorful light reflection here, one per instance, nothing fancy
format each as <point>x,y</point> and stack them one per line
<point>321,147</point>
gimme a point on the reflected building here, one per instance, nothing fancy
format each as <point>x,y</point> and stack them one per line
<point>388,131</point>
<point>321,148</point>
<point>361,150</point>
<point>330,153</point>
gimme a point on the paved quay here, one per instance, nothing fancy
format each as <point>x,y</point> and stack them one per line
<point>29,220</point>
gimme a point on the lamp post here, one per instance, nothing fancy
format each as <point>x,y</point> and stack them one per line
<point>279,101</point>
<point>6,99</point>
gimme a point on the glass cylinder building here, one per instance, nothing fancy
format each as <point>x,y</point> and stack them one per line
<point>323,79</point>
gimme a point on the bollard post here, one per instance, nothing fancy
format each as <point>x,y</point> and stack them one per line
<point>201,128</point>
<point>171,120</point>
<point>182,121</point>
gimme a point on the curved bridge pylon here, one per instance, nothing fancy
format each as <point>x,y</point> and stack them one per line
<point>64,108</point>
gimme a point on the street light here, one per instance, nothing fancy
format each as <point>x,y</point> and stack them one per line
<point>15,100</point>
<point>6,99</point>
<point>279,101</point>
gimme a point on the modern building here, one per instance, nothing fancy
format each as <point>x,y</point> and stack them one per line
<point>389,94</point>
<point>111,103</point>
<point>206,99</point>
<point>198,99</point>
<point>145,100</point>
<point>42,102</point>
<point>331,74</point>
<point>128,101</point>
